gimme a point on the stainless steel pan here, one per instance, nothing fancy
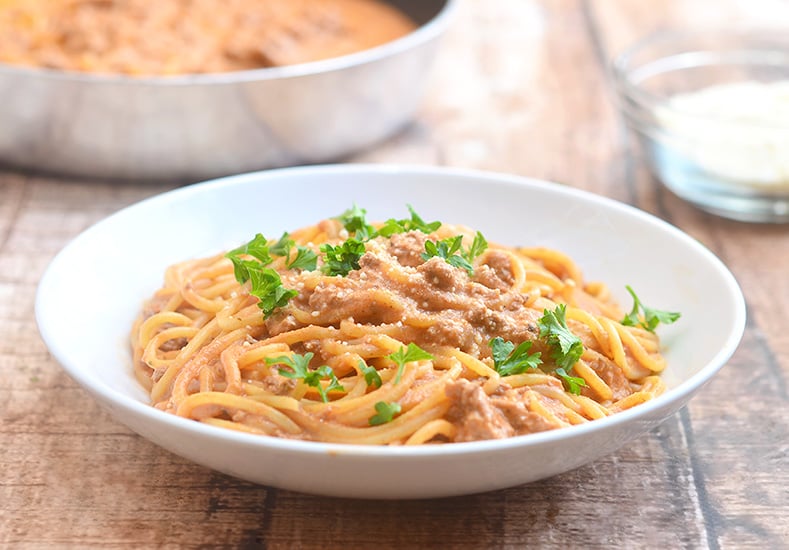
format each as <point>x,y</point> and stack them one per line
<point>193,127</point>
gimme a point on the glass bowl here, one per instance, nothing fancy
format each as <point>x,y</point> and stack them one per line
<point>711,111</point>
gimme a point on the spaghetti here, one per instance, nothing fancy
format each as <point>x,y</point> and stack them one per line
<point>332,361</point>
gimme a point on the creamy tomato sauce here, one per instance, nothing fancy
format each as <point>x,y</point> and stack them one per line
<point>166,37</point>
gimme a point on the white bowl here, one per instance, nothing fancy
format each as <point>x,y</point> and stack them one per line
<point>93,290</point>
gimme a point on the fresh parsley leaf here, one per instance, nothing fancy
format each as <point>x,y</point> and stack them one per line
<point>306,259</point>
<point>257,248</point>
<point>415,223</point>
<point>652,317</point>
<point>355,223</point>
<point>508,359</point>
<point>266,284</point>
<point>299,364</point>
<point>573,383</point>
<point>282,246</point>
<point>407,355</point>
<point>243,267</point>
<point>353,218</point>
<point>343,258</point>
<point>371,375</point>
<point>478,246</point>
<point>447,249</point>
<point>386,412</point>
<point>461,262</point>
<point>451,250</point>
<point>365,234</point>
<point>567,347</point>
<point>314,379</point>
<point>299,369</point>
<point>443,248</point>
<point>390,227</point>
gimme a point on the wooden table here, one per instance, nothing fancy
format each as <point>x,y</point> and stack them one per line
<point>520,86</point>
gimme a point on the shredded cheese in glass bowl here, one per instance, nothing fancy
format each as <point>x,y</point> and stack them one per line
<point>752,145</point>
<point>711,111</point>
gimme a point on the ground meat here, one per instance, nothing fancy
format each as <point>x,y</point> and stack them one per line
<point>450,308</point>
<point>438,274</point>
<point>174,345</point>
<point>478,416</point>
<point>514,405</point>
<point>278,384</point>
<point>611,374</point>
<point>496,271</point>
<point>473,414</point>
<point>280,322</point>
<point>408,247</point>
<point>374,306</point>
<point>485,275</point>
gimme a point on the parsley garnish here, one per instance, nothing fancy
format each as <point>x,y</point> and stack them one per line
<point>306,259</point>
<point>267,286</point>
<point>573,383</point>
<point>371,375</point>
<point>447,249</point>
<point>386,412</point>
<point>282,246</point>
<point>415,223</point>
<point>652,317</point>
<point>451,250</point>
<point>567,347</point>
<point>257,248</point>
<point>299,369</point>
<point>478,246</point>
<point>343,258</point>
<point>266,283</point>
<point>355,223</point>
<point>407,355</point>
<point>508,359</point>
<point>390,227</point>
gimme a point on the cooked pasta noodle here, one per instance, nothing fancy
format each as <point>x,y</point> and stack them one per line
<point>205,350</point>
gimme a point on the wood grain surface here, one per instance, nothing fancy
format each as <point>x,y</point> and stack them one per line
<point>520,86</point>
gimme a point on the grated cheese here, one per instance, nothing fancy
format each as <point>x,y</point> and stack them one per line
<point>737,132</point>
